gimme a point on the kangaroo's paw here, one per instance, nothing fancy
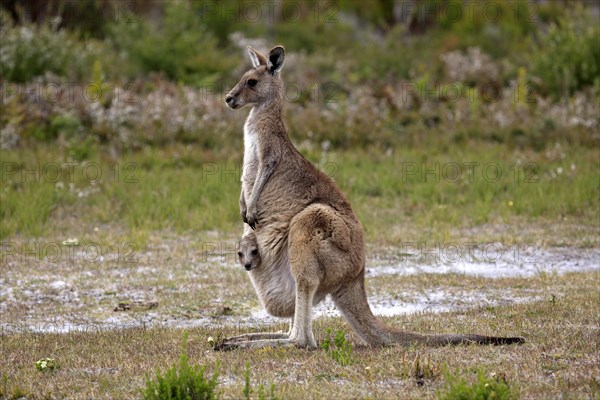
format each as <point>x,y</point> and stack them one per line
<point>251,217</point>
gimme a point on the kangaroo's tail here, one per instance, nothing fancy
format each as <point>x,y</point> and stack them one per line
<point>351,299</point>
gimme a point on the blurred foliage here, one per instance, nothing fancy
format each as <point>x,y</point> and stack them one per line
<point>498,28</point>
<point>181,46</point>
<point>32,50</point>
<point>568,56</point>
<point>424,82</point>
<point>152,72</point>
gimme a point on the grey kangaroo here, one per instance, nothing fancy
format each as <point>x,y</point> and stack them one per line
<point>309,240</point>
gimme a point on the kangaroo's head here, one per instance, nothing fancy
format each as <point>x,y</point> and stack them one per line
<point>262,84</point>
<point>248,252</point>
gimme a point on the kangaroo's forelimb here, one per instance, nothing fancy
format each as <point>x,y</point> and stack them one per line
<point>266,167</point>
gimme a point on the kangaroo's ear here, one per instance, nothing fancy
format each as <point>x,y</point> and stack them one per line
<point>256,57</point>
<point>276,59</point>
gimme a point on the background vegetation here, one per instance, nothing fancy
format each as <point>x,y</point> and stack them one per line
<point>440,120</point>
<point>371,86</point>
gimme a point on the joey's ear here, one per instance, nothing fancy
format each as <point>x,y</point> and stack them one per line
<point>276,59</point>
<point>256,57</point>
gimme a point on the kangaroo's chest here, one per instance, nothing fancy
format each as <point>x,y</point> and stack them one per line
<point>250,167</point>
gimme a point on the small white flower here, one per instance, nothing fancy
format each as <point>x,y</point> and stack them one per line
<point>71,242</point>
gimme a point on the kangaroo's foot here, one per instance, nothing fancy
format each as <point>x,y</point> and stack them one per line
<point>260,344</point>
<point>255,344</point>
<point>250,337</point>
<point>262,340</point>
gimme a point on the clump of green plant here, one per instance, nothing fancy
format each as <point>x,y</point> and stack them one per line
<point>247,387</point>
<point>182,382</point>
<point>46,365</point>
<point>484,388</point>
<point>31,50</point>
<point>568,57</point>
<point>261,389</point>
<point>15,392</point>
<point>339,348</point>
<point>180,46</point>
<point>422,371</point>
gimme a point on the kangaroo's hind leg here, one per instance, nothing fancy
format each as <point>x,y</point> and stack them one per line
<point>316,258</point>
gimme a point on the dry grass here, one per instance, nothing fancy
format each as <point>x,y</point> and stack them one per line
<point>560,358</point>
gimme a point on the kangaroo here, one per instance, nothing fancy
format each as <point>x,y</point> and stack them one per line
<point>309,238</point>
<point>248,252</point>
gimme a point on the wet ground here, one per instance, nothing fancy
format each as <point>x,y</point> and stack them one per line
<point>186,284</point>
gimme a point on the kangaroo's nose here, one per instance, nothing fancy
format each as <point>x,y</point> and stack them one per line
<point>248,266</point>
<point>228,99</point>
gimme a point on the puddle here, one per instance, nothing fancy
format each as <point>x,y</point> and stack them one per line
<point>433,300</point>
<point>80,297</point>
<point>495,261</point>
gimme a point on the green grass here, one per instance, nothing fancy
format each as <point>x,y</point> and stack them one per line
<point>182,382</point>
<point>484,388</point>
<point>184,188</point>
<point>339,348</point>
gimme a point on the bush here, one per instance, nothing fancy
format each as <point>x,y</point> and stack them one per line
<point>180,46</point>
<point>340,349</point>
<point>29,51</point>
<point>500,30</point>
<point>182,382</point>
<point>485,388</point>
<point>568,57</point>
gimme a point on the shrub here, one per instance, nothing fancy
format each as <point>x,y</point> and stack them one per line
<point>30,50</point>
<point>182,382</point>
<point>339,349</point>
<point>180,46</point>
<point>483,388</point>
<point>499,30</point>
<point>379,59</point>
<point>568,56</point>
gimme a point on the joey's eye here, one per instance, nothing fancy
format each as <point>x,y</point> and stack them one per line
<point>252,82</point>
<point>254,252</point>
<point>240,254</point>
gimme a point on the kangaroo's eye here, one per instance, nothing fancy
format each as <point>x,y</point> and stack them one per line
<point>240,254</point>
<point>254,252</point>
<point>252,82</point>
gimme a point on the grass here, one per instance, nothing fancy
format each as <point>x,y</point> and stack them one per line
<point>427,192</point>
<point>483,388</point>
<point>157,232</point>
<point>139,233</point>
<point>182,382</point>
<point>339,349</point>
<point>559,359</point>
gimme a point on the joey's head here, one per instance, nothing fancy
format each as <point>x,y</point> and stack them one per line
<point>248,252</point>
<point>262,84</point>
